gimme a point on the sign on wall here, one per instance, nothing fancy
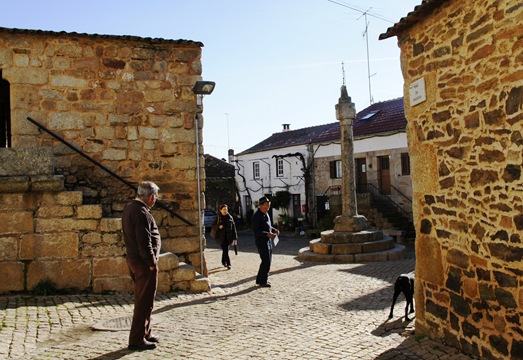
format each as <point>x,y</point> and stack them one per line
<point>417,92</point>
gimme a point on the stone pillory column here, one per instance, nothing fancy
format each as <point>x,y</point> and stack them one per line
<point>349,220</point>
<point>351,240</point>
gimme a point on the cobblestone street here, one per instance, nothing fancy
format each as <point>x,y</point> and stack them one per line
<point>312,311</point>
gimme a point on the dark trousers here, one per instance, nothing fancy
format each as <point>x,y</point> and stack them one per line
<point>265,250</point>
<point>145,283</point>
<point>226,260</point>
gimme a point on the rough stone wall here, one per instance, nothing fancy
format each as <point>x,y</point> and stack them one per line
<point>50,235</point>
<point>322,178</point>
<point>403,183</point>
<point>466,148</point>
<point>126,102</point>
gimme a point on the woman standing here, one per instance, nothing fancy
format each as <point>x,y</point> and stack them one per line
<point>225,233</point>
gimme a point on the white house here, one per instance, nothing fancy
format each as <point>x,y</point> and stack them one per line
<point>307,163</point>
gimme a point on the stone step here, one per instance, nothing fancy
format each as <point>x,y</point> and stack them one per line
<point>340,237</point>
<point>26,161</point>
<point>319,247</point>
<point>200,284</point>
<point>396,253</point>
<point>36,183</point>
<point>398,234</point>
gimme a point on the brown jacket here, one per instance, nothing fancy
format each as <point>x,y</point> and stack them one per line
<point>141,235</point>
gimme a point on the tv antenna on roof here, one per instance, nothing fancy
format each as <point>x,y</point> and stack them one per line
<point>366,34</point>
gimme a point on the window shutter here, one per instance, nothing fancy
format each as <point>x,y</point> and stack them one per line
<point>332,165</point>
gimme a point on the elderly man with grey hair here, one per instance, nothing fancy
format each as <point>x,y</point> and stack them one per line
<point>143,242</point>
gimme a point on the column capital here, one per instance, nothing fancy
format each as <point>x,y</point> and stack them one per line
<point>345,108</point>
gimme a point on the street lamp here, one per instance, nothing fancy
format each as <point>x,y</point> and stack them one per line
<point>203,87</point>
<point>200,88</point>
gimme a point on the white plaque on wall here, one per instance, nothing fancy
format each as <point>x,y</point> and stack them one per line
<point>417,92</point>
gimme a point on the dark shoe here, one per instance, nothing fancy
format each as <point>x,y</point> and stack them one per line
<point>153,339</point>
<point>145,346</point>
<point>229,267</point>
<point>265,285</point>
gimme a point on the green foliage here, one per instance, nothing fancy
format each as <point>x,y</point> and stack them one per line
<point>45,287</point>
<point>284,219</point>
<point>281,199</point>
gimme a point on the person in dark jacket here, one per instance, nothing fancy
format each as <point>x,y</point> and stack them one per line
<point>263,235</point>
<point>143,242</point>
<point>226,233</point>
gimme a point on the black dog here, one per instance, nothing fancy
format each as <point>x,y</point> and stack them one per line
<point>404,284</point>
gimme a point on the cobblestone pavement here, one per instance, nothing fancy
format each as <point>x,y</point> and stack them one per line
<point>312,311</point>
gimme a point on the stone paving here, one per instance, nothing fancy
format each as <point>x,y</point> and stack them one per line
<point>312,311</point>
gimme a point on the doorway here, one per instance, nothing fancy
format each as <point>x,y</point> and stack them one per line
<point>296,206</point>
<point>5,113</point>
<point>361,175</point>
<point>384,174</point>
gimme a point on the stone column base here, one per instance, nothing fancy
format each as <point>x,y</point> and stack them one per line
<point>355,223</point>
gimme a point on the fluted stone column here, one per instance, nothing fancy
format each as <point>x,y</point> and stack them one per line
<point>349,220</point>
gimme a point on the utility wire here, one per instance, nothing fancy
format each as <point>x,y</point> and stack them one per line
<point>361,11</point>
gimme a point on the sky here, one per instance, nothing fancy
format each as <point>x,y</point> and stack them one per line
<point>274,61</point>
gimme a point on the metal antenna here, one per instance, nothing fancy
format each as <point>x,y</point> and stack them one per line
<point>343,72</point>
<point>366,34</point>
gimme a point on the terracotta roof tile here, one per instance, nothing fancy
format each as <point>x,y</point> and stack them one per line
<point>419,12</point>
<point>388,117</point>
<point>121,37</point>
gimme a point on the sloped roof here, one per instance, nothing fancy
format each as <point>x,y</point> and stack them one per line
<point>388,117</point>
<point>420,12</point>
<point>120,37</point>
<point>215,167</point>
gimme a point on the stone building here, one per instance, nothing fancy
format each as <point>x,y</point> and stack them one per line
<point>307,163</point>
<point>462,62</point>
<point>124,101</point>
<point>381,160</point>
<point>220,185</point>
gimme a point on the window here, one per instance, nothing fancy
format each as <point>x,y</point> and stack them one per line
<point>369,115</point>
<point>279,167</point>
<point>5,113</point>
<point>256,170</point>
<point>384,162</point>
<point>335,169</point>
<point>248,202</point>
<point>405,164</point>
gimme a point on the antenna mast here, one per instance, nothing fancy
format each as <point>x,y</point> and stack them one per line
<point>366,34</point>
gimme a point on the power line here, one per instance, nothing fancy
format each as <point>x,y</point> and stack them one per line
<point>363,12</point>
<point>366,35</point>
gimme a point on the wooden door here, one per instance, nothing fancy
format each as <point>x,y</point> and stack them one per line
<point>361,175</point>
<point>384,174</point>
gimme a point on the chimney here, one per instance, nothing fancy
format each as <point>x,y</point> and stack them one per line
<point>286,127</point>
<point>231,155</point>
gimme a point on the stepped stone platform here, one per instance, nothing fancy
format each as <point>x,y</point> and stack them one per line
<point>352,247</point>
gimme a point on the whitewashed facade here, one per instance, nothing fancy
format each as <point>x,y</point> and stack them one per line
<point>380,152</point>
<point>262,174</point>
